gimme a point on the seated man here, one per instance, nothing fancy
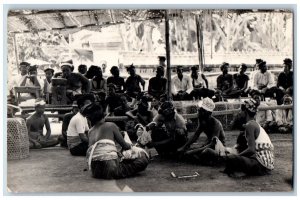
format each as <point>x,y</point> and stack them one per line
<point>103,158</point>
<point>76,82</point>
<point>66,121</point>
<point>200,85</point>
<point>241,81</point>
<point>258,156</point>
<point>133,82</point>
<point>210,126</point>
<point>225,83</point>
<point>35,124</point>
<point>115,79</point>
<point>112,100</point>
<point>264,81</point>
<point>168,130</point>
<point>181,86</point>
<point>158,84</point>
<point>78,128</point>
<point>285,80</point>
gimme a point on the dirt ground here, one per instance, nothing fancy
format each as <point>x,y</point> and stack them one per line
<point>55,170</point>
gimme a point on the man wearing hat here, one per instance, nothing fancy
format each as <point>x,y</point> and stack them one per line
<point>35,124</point>
<point>76,82</point>
<point>158,84</point>
<point>132,83</point>
<point>66,121</point>
<point>181,85</point>
<point>47,88</point>
<point>285,78</point>
<point>263,80</point>
<point>207,124</point>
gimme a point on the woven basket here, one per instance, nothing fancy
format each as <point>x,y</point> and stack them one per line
<point>17,139</point>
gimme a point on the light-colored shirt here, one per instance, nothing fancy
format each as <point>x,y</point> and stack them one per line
<point>181,85</point>
<point>263,79</point>
<point>77,125</point>
<point>47,87</point>
<point>199,81</point>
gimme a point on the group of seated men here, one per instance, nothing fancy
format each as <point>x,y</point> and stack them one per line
<point>111,153</point>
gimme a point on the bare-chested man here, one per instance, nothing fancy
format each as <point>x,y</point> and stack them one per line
<point>35,124</point>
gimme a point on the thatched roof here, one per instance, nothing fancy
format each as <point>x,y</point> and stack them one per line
<point>20,21</point>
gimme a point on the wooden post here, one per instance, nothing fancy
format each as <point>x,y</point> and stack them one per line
<point>199,43</point>
<point>167,37</point>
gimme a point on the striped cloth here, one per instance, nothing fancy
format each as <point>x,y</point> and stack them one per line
<point>264,149</point>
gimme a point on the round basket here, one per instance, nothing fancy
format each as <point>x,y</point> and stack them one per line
<point>17,139</point>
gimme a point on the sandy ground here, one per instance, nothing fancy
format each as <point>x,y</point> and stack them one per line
<point>55,170</point>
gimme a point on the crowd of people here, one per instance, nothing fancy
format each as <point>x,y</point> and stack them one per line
<point>117,150</point>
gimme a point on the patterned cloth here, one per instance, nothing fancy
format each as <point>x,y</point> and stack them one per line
<point>264,149</point>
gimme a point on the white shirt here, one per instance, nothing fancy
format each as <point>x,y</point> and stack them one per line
<point>184,85</point>
<point>263,79</point>
<point>78,124</point>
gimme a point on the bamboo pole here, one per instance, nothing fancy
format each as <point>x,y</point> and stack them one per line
<point>199,43</point>
<point>167,37</point>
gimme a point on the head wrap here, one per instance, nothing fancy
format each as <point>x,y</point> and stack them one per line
<point>207,104</point>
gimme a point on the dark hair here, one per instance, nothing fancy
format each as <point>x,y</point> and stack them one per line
<point>223,65</point>
<point>92,71</point>
<point>260,65</point>
<point>244,66</point>
<point>82,98</point>
<point>94,113</point>
<point>81,66</point>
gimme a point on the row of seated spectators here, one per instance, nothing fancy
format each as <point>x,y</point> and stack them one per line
<point>183,87</point>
